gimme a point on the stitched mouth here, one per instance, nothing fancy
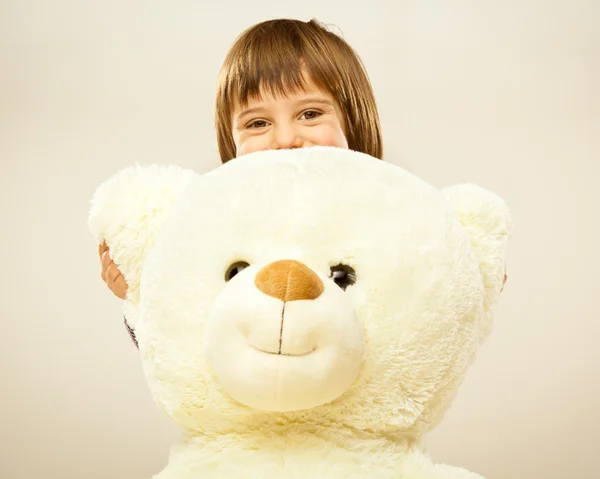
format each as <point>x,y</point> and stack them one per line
<point>280,353</point>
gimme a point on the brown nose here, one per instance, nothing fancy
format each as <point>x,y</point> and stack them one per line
<point>289,280</point>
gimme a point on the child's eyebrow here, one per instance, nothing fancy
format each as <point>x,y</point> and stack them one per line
<point>323,101</point>
<point>255,109</point>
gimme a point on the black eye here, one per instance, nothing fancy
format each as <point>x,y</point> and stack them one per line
<point>234,269</point>
<point>343,275</point>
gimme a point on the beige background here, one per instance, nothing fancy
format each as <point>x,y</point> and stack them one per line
<point>504,94</point>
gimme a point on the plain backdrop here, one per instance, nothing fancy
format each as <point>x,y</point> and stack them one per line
<point>505,94</point>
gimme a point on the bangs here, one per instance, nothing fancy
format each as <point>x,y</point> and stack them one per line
<point>266,68</point>
<point>277,61</point>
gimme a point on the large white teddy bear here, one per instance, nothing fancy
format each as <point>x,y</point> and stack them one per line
<point>303,313</point>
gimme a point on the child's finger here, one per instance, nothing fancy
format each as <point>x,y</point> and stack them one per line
<point>119,287</point>
<point>106,261</point>
<point>112,273</point>
<point>102,248</point>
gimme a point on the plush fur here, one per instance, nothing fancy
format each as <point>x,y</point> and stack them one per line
<point>333,384</point>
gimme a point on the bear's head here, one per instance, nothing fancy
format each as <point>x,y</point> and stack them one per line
<point>312,286</point>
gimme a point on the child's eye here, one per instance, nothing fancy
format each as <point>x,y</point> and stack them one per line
<point>257,124</point>
<point>310,115</point>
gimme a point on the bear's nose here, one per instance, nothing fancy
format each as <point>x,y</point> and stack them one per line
<point>289,280</point>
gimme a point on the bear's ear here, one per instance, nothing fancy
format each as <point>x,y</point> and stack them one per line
<point>487,220</point>
<point>128,212</point>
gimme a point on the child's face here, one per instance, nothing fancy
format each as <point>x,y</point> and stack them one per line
<point>299,120</point>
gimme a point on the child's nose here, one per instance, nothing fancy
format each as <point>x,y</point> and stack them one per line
<point>286,137</point>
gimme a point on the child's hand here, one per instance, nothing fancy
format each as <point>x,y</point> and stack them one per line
<point>111,274</point>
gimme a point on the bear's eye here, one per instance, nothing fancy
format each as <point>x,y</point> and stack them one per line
<point>234,269</point>
<point>343,275</point>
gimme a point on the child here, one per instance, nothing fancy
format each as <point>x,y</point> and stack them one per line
<point>286,84</point>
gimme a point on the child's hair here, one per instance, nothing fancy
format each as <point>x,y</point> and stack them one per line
<point>273,55</point>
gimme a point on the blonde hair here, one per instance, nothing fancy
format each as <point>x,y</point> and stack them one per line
<point>273,56</point>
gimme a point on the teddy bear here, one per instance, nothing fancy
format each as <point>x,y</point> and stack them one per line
<point>303,313</point>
